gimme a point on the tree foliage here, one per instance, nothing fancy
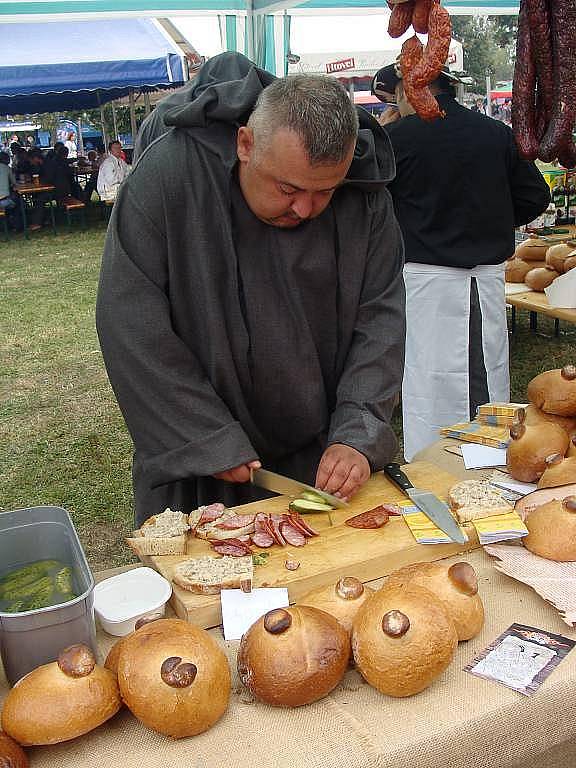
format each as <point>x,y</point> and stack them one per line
<point>489,47</point>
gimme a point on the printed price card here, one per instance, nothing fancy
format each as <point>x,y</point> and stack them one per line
<point>521,658</point>
<point>241,609</point>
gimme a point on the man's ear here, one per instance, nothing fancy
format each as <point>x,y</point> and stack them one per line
<point>244,143</point>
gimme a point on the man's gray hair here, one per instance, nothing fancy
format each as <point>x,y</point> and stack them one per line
<point>316,107</point>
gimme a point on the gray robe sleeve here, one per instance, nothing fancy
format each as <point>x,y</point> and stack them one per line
<point>179,425</point>
<point>372,376</point>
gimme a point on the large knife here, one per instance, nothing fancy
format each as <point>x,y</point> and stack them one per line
<point>434,509</point>
<point>288,487</point>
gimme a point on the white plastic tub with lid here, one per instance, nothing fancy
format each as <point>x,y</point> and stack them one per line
<point>123,599</point>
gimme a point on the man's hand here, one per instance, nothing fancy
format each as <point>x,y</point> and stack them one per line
<point>240,474</point>
<point>342,471</point>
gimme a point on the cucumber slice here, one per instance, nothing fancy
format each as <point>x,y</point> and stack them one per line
<point>304,505</point>
<point>311,496</point>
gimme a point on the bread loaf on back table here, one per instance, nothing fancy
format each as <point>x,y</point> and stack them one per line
<point>475,499</point>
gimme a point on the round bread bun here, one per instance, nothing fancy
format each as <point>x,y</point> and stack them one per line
<point>570,262</point>
<point>530,446</point>
<point>11,754</point>
<point>540,278</point>
<point>557,254</point>
<point>559,471</point>
<point>517,269</point>
<point>403,639</point>
<point>532,249</point>
<point>341,600</point>
<point>552,530</point>
<point>62,700</point>
<point>456,586</point>
<point>534,416</point>
<point>111,662</point>
<point>174,678</point>
<point>555,391</point>
<point>293,656</point>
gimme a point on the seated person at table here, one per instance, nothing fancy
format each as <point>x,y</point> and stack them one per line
<point>6,182</point>
<point>57,171</point>
<point>112,172</point>
<point>93,164</point>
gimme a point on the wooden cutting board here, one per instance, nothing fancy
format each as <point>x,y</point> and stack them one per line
<point>338,551</point>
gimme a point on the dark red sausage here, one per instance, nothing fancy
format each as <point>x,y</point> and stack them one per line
<point>400,18</point>
<point>437,47</point>
<point>372,518</point>
<point>563,33</point>
<point>541,47</point>
<point>523,91</point>
<point>421,15</point>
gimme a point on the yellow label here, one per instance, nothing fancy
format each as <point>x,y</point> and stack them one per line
<point>499,523</point>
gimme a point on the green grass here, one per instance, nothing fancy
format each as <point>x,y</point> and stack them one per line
<point>62,439</point>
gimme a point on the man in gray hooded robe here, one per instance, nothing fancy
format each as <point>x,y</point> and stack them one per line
<point>251,304</point>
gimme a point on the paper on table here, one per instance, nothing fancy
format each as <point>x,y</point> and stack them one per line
<point>555,582</point>
<point>503,480</point>
<point>241,609</point>
<point>478,456</point>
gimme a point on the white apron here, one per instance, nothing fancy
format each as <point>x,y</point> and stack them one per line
<point>435,390</point>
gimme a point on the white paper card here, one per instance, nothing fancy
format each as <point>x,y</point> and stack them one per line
<point>479,456</point>
<point>514,485</point>
<point>241,609</point>
<point>562,292</point>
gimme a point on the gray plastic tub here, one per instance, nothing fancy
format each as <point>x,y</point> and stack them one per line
<point>32,638</point>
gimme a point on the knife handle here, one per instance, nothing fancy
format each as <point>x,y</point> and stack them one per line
<point>398,477</point>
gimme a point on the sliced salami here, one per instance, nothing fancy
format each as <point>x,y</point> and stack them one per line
<point>210,513</point>
<point>372,518</point>
<point>236,521</point>
<point>232,547</point>
<point>307,529</point>
<point>274,529</point>
<point>262,539</point>
<point>392,509</point>
<point>292,535</point>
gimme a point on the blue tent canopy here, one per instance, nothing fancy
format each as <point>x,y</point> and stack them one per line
<point>55,66</point>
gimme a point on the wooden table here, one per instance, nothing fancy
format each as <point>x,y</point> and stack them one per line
<point>460,721</point>
<point>28,190</point>
<point>536,303</point>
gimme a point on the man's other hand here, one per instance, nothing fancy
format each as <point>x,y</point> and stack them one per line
<point>240,474</point>
<point>342,471</point>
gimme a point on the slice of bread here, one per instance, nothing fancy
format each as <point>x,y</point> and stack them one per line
<point>475,499</point>
<point>162,526</point>
<point>208,575</point>
<point>162,534</point>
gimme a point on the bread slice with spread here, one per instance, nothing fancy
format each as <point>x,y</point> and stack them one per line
<point>475,499</point>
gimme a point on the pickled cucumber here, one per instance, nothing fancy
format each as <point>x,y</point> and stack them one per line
<point>17,580</point>
<point>37,585</point>
<point>63,580</point>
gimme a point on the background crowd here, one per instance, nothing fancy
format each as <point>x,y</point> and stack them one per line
<point>71,176</point>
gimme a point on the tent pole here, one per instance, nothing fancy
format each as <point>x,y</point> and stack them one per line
<point>103,122</point>
<point>133,126</point>
<point>80,139</point>
<point>114,121</point>
<point>146,103</point>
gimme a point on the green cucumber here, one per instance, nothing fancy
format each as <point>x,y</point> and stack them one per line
<point>311,496</point>
<point>304,505</point>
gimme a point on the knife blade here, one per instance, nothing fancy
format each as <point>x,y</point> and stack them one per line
<point>271,481</point>
<point>434,509</point>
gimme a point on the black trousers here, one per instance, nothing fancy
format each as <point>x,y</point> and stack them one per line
<point>478,379</point>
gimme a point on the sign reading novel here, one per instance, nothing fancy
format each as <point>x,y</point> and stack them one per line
<point>339,66</point>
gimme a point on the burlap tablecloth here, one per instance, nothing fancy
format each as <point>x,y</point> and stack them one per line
<point>461,721</point>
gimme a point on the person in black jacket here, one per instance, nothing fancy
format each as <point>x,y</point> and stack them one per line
<point>460,190</point>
